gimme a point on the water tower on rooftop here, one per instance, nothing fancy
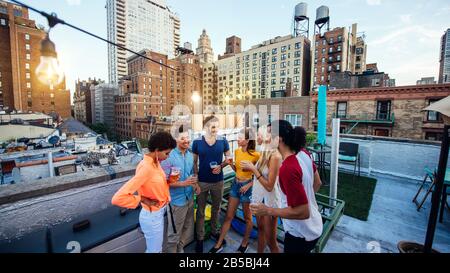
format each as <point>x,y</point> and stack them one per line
<point>322,19</point>
<point>301,20</point>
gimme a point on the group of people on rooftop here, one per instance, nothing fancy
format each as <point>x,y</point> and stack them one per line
<point>275,177</point>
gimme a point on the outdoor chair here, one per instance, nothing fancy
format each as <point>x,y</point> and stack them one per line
<point>428,183</point>
<point>349,153</point>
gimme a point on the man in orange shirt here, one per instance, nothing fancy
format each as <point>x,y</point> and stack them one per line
<point>152,189</point>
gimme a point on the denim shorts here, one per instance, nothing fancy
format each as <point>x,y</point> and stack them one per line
<point>235,191</point>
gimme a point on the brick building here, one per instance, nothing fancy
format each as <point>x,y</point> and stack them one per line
<point>82,100</point>
<point>367,79</point>
<point>19,57</point>
<point>335,51</point>
<point>152,89</point>
<point>233,47</point>
<point>293,109</point>
<point>386,111</point>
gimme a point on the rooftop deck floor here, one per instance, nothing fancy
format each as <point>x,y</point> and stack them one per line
<point>393,217</point>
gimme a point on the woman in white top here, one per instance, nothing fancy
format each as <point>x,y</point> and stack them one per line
<point>266,189</point>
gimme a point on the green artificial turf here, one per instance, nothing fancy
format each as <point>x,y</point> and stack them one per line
<point>357,194</point>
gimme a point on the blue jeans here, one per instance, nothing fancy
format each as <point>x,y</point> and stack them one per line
<point>152,225</point>
<point>235,191</point>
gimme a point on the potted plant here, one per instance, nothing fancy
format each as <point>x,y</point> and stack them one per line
<point>311,139</point>
<point>412,247</point>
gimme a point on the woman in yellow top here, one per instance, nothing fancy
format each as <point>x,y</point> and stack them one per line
<point>241,189</point>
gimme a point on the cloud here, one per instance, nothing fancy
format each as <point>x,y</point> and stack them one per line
<point>73,2</point>
<point>373,2</point>
<point>419,30</point>
<point>407,53</point>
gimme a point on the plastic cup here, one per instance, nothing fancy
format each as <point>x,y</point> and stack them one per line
<point>175,173</point>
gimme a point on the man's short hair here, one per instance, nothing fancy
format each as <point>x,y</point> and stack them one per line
<point>179,129</point>
<point>209,120</point>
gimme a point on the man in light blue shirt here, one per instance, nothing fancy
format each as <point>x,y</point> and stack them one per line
<point>181,193</point>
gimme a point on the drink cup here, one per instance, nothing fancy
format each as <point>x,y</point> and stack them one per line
<point>213,165</point>
<point>175,173</point>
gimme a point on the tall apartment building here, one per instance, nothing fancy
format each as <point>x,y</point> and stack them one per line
<point>82,99</point>
<point>104,104</point>
<point>265,69</point>
<point>204,50</point>
<point>210,77</point>
<point>19,57</point>
<point>152,89</point>
<point>444,60</point>
<point>335,51</point>
<point>138,25</point>
<point>361,54</point>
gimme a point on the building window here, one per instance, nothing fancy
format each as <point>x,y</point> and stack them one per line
<point>339,38</point>
<point>27,47</point>
<point>375,82</point>
<point>381,132</point>
<point>324,41</point>
<point>274,59</point>
<point>52,95</point>
<point>338,67</point>
<point>431,115</point>
<point>297,62</point>
<point>28,85</point>
<point>384,110</point>
<point>283,49</point>
<point>433,136</point>
<point>294,119</point>
<point>3,22</point>
<point>27,66</point>
<point>28,75</point>
<point>275,51</point>
<point>338,58</point>
<point>298,45</point>
<point>341,110</point>
<point>27,37</point>
<point>17,13</point>
<point>28,57</point>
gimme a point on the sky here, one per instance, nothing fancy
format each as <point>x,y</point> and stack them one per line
<point>403,36</point>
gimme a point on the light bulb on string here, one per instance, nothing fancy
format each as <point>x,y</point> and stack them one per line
<point>49,71</point>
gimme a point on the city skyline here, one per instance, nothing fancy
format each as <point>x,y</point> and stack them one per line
<point>405,45</point>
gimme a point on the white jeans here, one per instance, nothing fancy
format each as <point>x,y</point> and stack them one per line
<point>152,224</point>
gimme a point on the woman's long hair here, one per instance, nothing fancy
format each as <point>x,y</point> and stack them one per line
<point>250,136</point>
<point>266,151</point>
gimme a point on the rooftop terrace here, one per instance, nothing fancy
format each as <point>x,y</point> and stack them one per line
<point>32,206</point>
